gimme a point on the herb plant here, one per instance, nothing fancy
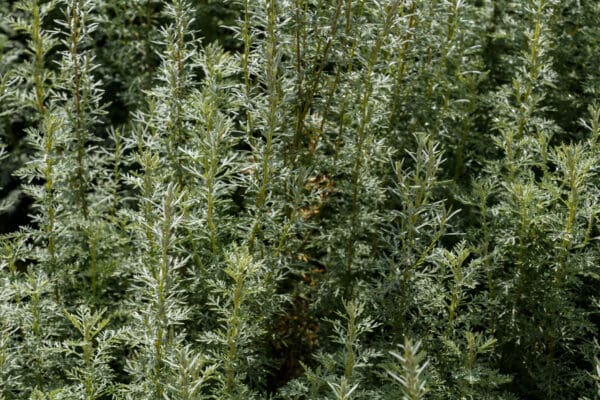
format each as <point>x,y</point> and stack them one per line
<point>299,199</point>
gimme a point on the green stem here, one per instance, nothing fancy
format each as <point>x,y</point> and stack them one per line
<point>79,125</point>
<point>272,121</point>
<point>364,119</point>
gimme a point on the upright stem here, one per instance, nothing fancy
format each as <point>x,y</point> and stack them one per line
<point>177,91</point>
<point>402,62</point>
<point>36,37</point>
<point>364,119</point>
<point>525,109</point>
<point>272,120</point>
<point>79,125</point>
<point>306,101</point>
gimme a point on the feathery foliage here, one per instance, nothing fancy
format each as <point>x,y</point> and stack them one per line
<point>299,199</point>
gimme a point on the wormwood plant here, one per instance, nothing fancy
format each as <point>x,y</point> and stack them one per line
<point>409,370</point>
<point>299,199</point>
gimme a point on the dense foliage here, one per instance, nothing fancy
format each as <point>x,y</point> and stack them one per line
<point>299,199</point>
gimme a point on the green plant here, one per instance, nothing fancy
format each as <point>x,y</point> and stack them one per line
<point>299,199</point>
<point>411,367</point>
